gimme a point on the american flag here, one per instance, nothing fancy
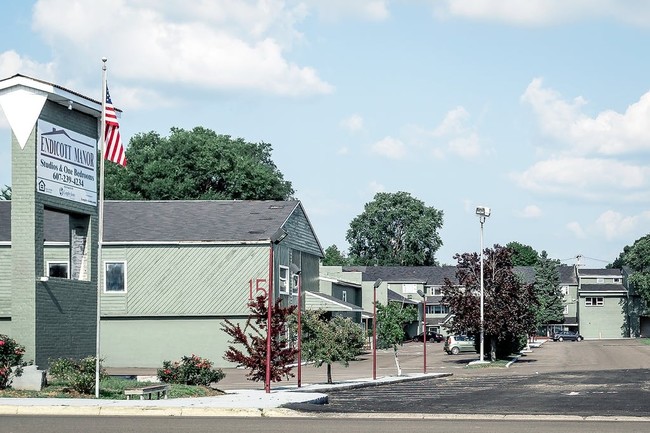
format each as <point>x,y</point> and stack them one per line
<point>114,149</point>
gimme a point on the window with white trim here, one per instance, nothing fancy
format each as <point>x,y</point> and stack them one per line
<point>115,277</point>
<point>344,295</point>
<point>437,309</point>
<point>566,310</point>
<point>600,280</point>
<point>594,302</point>
<point>58,269</point>
<point>436,290</point>
<point>565,290</point>
<point>283,280</point>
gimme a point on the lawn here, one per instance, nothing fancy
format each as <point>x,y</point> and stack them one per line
<point>110,388</point>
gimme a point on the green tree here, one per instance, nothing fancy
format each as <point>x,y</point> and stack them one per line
<point>509,305</point>
<point>5,193</point>
<point>395,229</point>
<point>522,255</point>
<point>638,259</point>
<point>329,341</point>
<point>196,165</point>
<point>549,307</point>
<point>391,319</point>
<point>334,257</point>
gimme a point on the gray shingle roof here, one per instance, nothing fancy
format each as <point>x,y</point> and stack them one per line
<point>200,220</point>
<point>600,287</point>
<point>599,272</point>
<point>429,275</point>
<point>174,221</point>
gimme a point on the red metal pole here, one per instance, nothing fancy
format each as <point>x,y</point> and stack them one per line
<point>299,336</point>
<point>267,378</point>
<point>374,334</point>
<point>424,326</point>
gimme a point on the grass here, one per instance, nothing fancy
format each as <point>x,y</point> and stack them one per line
<point>110,388</point>
<point>645,341</point>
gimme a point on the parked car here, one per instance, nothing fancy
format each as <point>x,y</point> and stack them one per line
<point>567,335</point>
<point>454,344</point>
<point>431,337</point>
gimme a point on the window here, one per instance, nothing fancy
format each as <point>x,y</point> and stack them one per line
<point>437,309</point>
<point>283,278</point>
<point>617,280</point>
<point>57,269</point>
<point>566,310</point>
<point>565,290</point>
<point>594,302</point>
<point>436,290</point>
<point>115,277</point>
<point>600,280</point>
<point>344,296</point>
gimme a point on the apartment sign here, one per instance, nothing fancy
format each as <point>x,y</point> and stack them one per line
<point>66,165</point>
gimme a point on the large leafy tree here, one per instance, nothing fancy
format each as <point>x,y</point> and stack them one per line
<point>509,304</point>
<point>330,341</point>
<point>522,255</point>
<point>249,347</point>
<point>334,257</point>
<point>638,259</point>
<point>395,229</point>
<point>196,165</point>
<point>391,320</point>
<point>549,307</point>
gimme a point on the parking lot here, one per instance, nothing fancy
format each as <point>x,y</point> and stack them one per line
<point>588,378</point>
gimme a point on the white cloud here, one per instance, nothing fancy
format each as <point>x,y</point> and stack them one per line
<point>575,228</point>
<point>353,123</point>
<point>229,45</point>
<point>12,63</point>
<point>390,148</point>
<point>453,136</point>
<point>374,187</point>
<point>373,10</point>
<point>615,225</point>
<point>545,12</point>
<point>591,179</point>
<point>530,211</point>
<point>608,133</point>
<point>343,151</point>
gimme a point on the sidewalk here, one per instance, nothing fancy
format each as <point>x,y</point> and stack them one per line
<point>243,397</point>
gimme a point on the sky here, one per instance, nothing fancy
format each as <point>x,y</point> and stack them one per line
<point>538,109</point>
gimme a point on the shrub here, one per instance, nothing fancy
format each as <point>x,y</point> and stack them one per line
<point>80,375</point>
<point>11,357</point>
<point>191,370</point>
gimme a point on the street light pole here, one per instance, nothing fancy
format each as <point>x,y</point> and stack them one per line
<point>296,270</point>
<point>424,328</point>
<point>374,329</point>
<point>482,212</point>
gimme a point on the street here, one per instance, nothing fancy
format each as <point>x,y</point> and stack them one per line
<point>67,424</point>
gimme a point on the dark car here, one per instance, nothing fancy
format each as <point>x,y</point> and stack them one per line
<point>567,335</point>
<point>431,337</point>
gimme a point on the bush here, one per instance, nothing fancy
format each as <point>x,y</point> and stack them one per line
<point>80,375</point>
<point>191,370</point>
<point>11,359</point>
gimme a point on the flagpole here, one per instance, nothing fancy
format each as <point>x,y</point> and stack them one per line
<point>100,237</point>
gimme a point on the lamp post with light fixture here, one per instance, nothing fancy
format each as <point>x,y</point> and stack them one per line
<point>424,328</point>
<point>374,329</point>
<point>482,212</point>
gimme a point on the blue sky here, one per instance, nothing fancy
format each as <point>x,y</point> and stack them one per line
<point>538,109</point>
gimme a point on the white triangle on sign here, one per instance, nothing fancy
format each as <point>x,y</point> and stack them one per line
<point>22,106</point>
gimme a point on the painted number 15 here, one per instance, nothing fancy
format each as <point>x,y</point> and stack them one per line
<point>255,287</point>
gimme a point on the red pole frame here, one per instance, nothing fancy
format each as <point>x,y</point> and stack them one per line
<point>267,378</point>
<point>299,336</point>
<point>424,327</point>
<point>374,334</point>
